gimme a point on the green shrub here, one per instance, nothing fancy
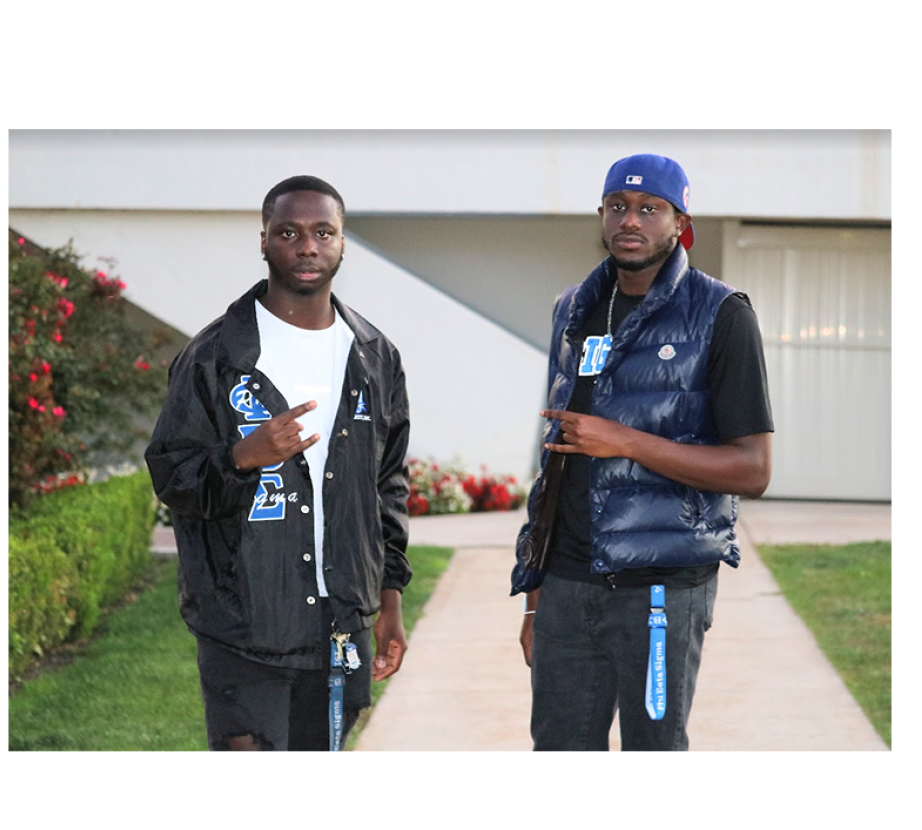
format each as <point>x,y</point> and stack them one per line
<point>73,553</point>
<point>42,578</point>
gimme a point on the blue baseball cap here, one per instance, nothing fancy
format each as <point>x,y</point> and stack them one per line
<point>657,175</point>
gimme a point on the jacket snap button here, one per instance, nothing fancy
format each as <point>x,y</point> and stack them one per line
<point>305,508</point>
<point>311,600</point>
<point>345,432</point>
<point>306,557</point>
<point>329,475</point>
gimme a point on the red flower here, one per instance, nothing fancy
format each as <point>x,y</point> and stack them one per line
<point>35,404</point>
<point>57,337</point>
<point>141,365</point>
<point>58,412</point>
<point>65,306</point>
<point>62,281</point>
<point>417,505</point>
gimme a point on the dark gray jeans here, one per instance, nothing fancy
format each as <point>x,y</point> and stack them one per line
<point>589,659</point>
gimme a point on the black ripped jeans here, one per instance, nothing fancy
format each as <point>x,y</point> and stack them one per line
<point>254,706</point>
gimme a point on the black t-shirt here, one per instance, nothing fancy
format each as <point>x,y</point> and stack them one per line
<point>740,405</point>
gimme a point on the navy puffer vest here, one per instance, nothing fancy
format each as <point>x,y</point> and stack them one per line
<point>655,380</point>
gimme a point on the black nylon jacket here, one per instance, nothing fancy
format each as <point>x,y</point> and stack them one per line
<point>246,541</point>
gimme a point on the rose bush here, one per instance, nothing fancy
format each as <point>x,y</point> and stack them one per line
<point>450,488</point>
<point>79,371</point>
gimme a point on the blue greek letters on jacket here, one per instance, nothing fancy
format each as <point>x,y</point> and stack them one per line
<point>269,501</point>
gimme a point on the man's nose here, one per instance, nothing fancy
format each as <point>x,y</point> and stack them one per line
<point>308,246</point>
<point>630,218</point>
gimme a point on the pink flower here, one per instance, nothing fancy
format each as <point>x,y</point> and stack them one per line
<point>35,404</point>
<point>21,241</point>
<point>33,377</point>
<point>57,337</point>
<point>46,367</point>
<point>62,281</point>
<point>65,306</point>
<point>58,412</point>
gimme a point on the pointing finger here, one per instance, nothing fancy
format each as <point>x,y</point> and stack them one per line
<point>299,410</point>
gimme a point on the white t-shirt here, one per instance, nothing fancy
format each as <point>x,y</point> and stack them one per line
<point>307,365</point>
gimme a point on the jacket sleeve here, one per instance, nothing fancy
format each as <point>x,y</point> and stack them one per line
<point>393,485</point>
<point>189,456</point>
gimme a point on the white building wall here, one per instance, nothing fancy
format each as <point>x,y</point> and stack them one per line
<point>178,210</point>
<point>828,174</point>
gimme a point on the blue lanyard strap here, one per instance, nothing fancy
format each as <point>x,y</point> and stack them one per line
<point>344,659</point>
<point>337,681</point>
<point>656,667</point>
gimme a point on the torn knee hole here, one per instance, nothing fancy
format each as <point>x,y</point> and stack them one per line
<point>247,743</point>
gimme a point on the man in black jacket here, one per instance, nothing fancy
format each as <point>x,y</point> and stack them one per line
<point>281,453</point>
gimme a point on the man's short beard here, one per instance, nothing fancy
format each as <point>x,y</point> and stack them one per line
<point>303,291</point>
<point>661,254</point>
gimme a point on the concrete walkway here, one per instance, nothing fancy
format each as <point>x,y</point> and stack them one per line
<point>465,686</point>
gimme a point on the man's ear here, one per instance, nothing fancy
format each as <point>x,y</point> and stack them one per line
<point>682,221</point>
<point>262,243</point>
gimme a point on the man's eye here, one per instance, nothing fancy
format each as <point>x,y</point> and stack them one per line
<point>288,233</point>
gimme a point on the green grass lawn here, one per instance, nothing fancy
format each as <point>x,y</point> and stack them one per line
<point>842,593</point>
<point>136,686</point>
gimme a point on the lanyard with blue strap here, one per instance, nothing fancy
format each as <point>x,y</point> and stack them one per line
<point>344,659</point>
<point>656,667</point>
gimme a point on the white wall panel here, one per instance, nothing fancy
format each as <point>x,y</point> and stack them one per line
<point>822,296</point>
<point>830,174</point>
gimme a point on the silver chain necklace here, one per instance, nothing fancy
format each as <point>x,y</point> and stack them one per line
<point>611,306</point>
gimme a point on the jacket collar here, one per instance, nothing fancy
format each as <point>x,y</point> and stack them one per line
<point>239,344</point>
<point>602,279</point>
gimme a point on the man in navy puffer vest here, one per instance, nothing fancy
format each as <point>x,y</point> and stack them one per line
<point>658,419</point>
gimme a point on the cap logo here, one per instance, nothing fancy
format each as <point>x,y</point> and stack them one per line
<point>685,197</point>
<point>634,180</point>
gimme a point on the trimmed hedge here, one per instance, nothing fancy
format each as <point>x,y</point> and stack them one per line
<point>73,553</point>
